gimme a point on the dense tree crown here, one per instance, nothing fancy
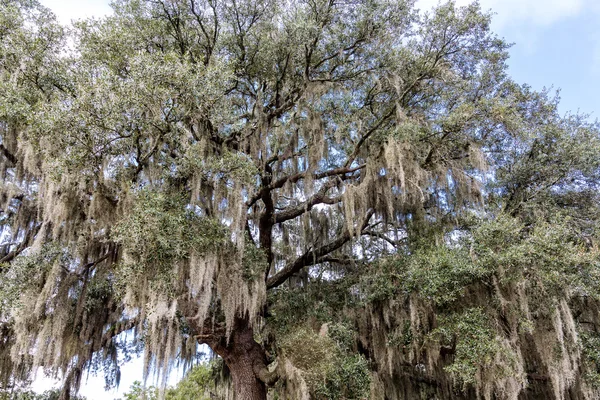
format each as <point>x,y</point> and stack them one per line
<point>342,199</point>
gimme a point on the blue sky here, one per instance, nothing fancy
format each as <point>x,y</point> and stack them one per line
<point>556,44</point>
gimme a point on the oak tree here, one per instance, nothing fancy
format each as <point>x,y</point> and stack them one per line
<point>342,199</point>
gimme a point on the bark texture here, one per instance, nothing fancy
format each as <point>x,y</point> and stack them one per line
<point>246,360</point>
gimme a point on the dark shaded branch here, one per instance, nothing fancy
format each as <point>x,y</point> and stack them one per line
<point>366,136</point>
<point>318,198</point>
<point>312,256</point>
<point>24,244</point>
<point>290,101</point>
<point>285,156</point>
<point>92,264</point>
<point>249,233</point>
<point>210,39</point>
<point>266,220</point>
<point>9,156</point>
<point>336,260</point>
<point>116,330</point>
<point>279,183</point>
<point>381,236</point>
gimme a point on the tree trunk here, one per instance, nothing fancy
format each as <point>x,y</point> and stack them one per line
<point>246,361</point>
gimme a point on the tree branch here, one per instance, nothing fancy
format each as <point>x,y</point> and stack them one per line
<point>24,244</point>
<point>9,156</point>
<point>381,236</point>
<point>279,183</point>
<point>312,256</point>
<point>262,372</point>
<point>366,136</point>
<point>317,198</point>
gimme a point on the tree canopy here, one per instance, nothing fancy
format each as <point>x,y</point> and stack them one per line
<point>342,199</point>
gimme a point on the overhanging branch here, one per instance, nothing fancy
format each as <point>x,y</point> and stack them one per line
<point>279,183</point>
<point>318,198</point>
<point>366,136</point>
<point>312,256</point>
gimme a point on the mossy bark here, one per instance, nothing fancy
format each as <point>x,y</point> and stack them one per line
<point>246,360</point>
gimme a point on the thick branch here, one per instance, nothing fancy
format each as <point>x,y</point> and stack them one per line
<point>9,156</point>
<point>266,220</point>
<point>279,183</point>
<point>312,256</point>
<point>317,198</point>
<point>262,372</point>
<point>209,331</point>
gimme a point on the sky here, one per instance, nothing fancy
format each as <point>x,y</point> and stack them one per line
<point>556,42</point>
<point>556,45</point>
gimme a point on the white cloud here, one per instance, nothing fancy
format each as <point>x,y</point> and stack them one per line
<point>508,12</point>
<point>67,10</point>
<point>524,12</point>
<point>594,67</point>
<point>536,12</point>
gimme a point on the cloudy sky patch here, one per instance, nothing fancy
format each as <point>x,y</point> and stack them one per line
<point>517,12</point>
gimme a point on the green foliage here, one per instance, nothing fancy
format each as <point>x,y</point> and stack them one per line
<point>548,256</point>
<point>137,391</point>
<point>590,342</point>
<point>30,41</point>
<point>349,379</point>
<point>28,274</point>
<point>438,274</point>
<point>20,394</point>
<point>343,335</point>
<point>196,384</point>
<point>254,261</point>
<point>229,167</point>
<point>153,175</point>
<point>476,346</point>
<point>160,231</point>
<point>321,301</point>
<point>98,291</point>
<point>330,368</point>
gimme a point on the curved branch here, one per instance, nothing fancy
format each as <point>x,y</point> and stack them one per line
<point>317,198</point>
<point>279,183</point>
<point>366,136</point>
<point>8,155</point>
<point>312,256</point>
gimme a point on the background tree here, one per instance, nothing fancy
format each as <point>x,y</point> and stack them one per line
<point>198,383</point>
<point>353,191</point>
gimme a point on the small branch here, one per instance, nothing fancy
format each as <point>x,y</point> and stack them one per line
<point>380,235</point>
<point>92,264</point>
